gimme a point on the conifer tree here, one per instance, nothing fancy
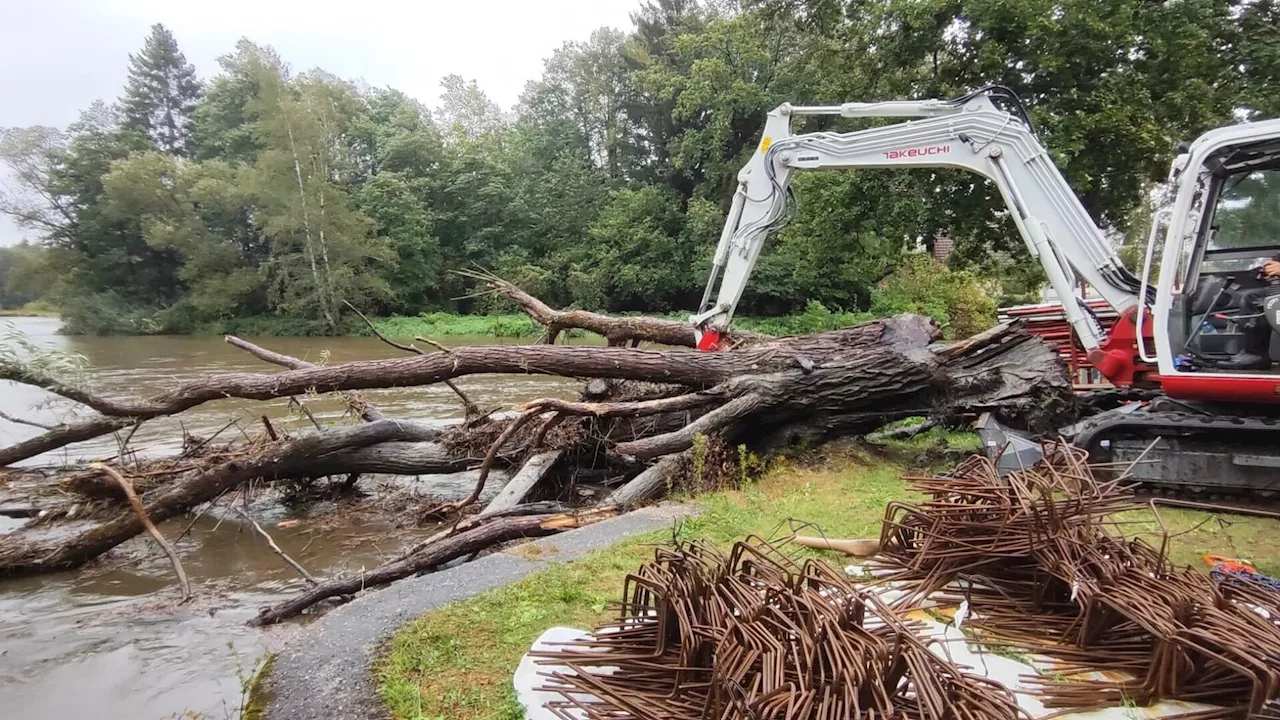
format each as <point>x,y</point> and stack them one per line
<point>161,93</point>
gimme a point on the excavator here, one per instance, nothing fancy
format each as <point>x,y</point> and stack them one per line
<point>1199,329</point>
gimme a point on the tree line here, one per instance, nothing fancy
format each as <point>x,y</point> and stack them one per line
<point>264,191</point>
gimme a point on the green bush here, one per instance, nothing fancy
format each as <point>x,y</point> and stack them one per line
<point>958,300</point>
<point>815,318</point>
<point>447,324</point>
<point>106,313</point>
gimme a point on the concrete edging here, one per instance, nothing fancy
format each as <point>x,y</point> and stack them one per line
<point>323,671</point>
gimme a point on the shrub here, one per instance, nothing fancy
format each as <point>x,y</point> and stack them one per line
<point>958,300</point>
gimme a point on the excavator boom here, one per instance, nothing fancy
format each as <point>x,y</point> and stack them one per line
<point>972,133</point>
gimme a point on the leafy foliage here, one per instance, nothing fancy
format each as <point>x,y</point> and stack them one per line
<point>267,193</point>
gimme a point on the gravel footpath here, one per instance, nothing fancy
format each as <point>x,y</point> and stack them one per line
<point>323,672</point>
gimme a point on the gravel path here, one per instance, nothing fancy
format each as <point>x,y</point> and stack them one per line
<point>323,672</point>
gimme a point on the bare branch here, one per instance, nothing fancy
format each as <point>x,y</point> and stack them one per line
<point>20,421</point>
<point>141,512</point>
<point>368,413</point>
<point>276,548</point>
<point>470,408</point>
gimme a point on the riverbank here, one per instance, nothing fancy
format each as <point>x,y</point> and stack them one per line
<point>32,309</point>
<point>432,325</point>
<point>457,662</point>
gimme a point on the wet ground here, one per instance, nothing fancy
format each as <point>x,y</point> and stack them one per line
<point>113,642</point>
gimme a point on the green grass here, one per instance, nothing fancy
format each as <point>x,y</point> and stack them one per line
<point>431,325</point>
<point>521,326</point>
<point>457,662</point>
<point>434,325</point>
<point>35,308</point>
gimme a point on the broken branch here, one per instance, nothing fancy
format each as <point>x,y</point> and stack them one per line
<point>141,512</point>
<point>276,548</point>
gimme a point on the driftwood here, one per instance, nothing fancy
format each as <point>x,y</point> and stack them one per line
<point>478,538</point>
<point>136,504</point>
<point>271,542</point>
<point>635,425</point>
<point>520,484</point>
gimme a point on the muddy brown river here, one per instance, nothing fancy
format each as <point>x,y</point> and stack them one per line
<point>111,643</point>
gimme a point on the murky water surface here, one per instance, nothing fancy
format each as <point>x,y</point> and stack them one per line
<point>109,643</point>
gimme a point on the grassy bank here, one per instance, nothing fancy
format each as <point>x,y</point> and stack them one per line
<point>31,309</point>
<point>457,662</point>
<point>118,321</point>
<point>815,319</point>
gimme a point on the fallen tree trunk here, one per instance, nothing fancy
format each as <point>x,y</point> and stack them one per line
<point>24,557</point>
<point>367,412</point>
<point>698,370</point>
<point>617,331</point>
<point>522,483</point>
<point>650,484</point>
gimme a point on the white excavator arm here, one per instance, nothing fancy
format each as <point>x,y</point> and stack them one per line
<point>970,133</point>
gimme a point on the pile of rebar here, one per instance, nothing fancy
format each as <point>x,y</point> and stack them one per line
<point>1039,558</point>
<point>757,635</point>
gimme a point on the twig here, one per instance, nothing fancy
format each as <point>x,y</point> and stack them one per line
<point>197,448</point>
<point>120,447</point>
<point>20,421</point>
<point>276,548</point>
<point>199,515</point>
<point>470,407</point>
<point>141,512</point>
<point>435,344</point>
<point>305,411</point>
<point>271,431</point>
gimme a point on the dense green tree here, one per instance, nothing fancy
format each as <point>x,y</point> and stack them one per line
<point>25,274</point>
<point>223,124</point>
<point>1258,53</point>
<point>322,249</point>
<point>605,187</point>
<point>196,210</point>
<point>161,93</point>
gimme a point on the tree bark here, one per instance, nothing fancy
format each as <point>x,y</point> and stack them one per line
<point>650,484</point>
<point>368,413</point>
<point>523,482</point>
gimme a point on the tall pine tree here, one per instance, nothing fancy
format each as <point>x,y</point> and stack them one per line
<point>161,93</point>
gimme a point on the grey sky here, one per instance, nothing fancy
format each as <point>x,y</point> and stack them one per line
<point>60,55</point>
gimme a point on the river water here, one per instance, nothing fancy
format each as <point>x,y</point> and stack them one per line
<point>113,644</point>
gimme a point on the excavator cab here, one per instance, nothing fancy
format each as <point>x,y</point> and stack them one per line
<point>1231,312</point>
<point>1223,298</point>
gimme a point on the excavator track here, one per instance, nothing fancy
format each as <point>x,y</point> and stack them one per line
<point>1186,452</point>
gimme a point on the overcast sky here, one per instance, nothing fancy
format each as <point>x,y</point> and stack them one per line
<point>60,55</point>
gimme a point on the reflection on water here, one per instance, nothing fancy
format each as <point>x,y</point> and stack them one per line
<point>108,644</point>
